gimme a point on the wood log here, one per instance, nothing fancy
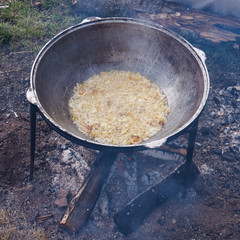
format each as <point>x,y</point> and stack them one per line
<point>181,151</point>
<point>41,219</point>
<point>81,206</point>
<point>133,214</point>
<point>209,26</point>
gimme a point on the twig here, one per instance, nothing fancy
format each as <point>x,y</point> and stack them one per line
<point>10,71</point>
<point>21,52</point>
<point>41,219</point>
<point>4,6</point>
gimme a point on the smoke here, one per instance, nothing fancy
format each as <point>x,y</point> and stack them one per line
<point>222,7</point>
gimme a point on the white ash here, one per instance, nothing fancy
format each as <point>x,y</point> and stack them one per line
<point>69,167</point>
<point>151,178</point>
<point>130,175</point>
<point>188,196</point>
<point>205,169</point>
<point>103,204</point>
<point>70,163</point>
<point>70,170</point>
<point>164,155</point>
<point>227,116</point>
<point>76,161</point>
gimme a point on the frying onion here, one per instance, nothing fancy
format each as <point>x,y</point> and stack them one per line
<point>118,107</point>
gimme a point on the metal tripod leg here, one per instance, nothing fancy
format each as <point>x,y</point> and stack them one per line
<point>33,111</point>
<point>191,140</point>
<point>191,168</point>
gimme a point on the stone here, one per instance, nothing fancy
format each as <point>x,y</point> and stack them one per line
<point>217,151</point>
<point>205,169</point>
<point>217,100</point>
<point>174,221</point>
<point>236,169</point>
<point>161,221</point>
<point>225,121</point>
<point>61,200</point>
<point>229,157</point>
<point>66,156</point>
<point>205,131</point>
<point>235,46</point>
<point>3,167</point>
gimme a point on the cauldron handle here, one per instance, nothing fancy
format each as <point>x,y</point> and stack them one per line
<point>90,19</point>
<point>155,144</point>
<point>201,54</point>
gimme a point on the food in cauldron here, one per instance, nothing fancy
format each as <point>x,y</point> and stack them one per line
<point>118,107</point>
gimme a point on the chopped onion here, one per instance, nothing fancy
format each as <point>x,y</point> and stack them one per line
<point>118,107</point>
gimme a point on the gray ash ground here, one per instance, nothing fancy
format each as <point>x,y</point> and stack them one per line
<point>209,209</point>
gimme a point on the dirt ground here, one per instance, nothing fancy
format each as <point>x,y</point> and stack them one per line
<point>209,209</point>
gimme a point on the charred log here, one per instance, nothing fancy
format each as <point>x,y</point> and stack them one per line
<point>133,214</point>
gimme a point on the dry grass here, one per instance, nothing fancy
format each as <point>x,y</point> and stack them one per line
<point>11,227</point>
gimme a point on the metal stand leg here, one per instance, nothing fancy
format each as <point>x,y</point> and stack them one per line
<point>191,141</point>
<point>33,111</point>
<point>190,168</point>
